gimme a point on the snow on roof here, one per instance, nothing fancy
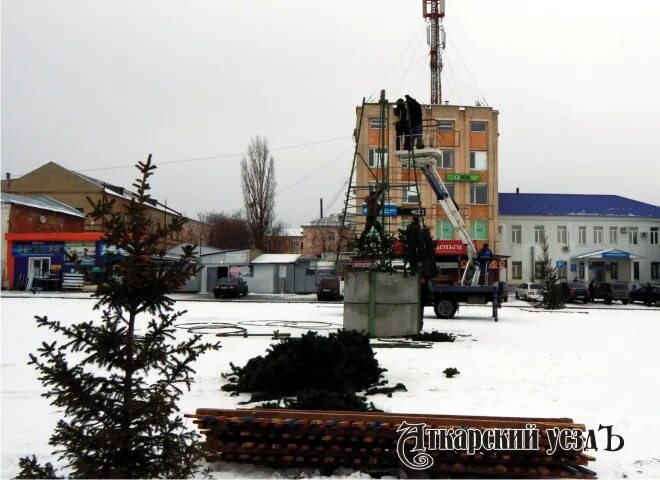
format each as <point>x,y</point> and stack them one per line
<point>563,204</point>
<point>277,258</point>
<point>609,252</point>
<point>43,202</point>
<point>293,232</point>
<point>128,195</point>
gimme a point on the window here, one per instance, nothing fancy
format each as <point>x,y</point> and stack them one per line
<point>516,270</point>
<point>376,123</point>
<point>374,157</point>
<point>539,270</point>
<point>613,234</point>
<point>581,269</point>
<point>478,194</point>
<point>582,235</point>
<point>446,159</point>
<point>655,270</point>
<point>446,125</point>
<point>451,188</point>
<point>635,270</point>
<point>478,160</point>
<point>632,236</point>
<point>331,236</point>
<point>478,126</point>
<point>410,194</point>
<point>295,243</point>
<point>310,271</point>
<point>598,235</point>
<point>562,234</point>
<point>444,230</point>
<point>614,271</point>
<point>654,236</point>
<point>479,229</point>
<point>516,234</point>
<point>539,234</point>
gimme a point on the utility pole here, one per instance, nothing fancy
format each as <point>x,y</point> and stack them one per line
<point>434,12</point>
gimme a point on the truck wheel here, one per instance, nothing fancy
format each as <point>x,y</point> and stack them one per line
<point>625,302</point>
<point>445,308</point>
<point>607,300</point>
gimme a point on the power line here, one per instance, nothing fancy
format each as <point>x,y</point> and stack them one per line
<point>325,165</point>
<point>211,157</point>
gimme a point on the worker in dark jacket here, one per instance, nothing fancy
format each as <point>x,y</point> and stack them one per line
<point>485,256</point>
<point>373,208</point>
<point>401,125</point>
<point>648,300</point>
<point>413,241</point>
<point>415,118</point>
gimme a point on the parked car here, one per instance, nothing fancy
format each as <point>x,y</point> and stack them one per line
<point>574,291</point>
<point>529,291</point>
<point>233,286</point>
<point>640,294</point>
<point>609,291</point>
<point>327,288</point>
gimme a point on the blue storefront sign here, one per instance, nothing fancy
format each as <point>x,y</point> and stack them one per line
<point>388,210</point>
<point>616,254</point>
<point>573,267</point>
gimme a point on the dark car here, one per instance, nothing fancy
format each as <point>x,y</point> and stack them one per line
<point>230,287</point>
<point>609,291</point>
<point>574,291</point>
<point>640,294</point>
<point>327,288</point>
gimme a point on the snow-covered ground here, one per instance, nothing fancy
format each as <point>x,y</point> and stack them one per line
<point>597,365</point>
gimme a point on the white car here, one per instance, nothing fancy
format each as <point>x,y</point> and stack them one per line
<point>529,291</point>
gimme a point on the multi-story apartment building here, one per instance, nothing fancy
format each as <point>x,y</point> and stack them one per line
<point>463,140</point>
<point>601,237</point>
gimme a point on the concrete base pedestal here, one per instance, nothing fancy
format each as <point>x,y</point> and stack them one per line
<point>381,304</point>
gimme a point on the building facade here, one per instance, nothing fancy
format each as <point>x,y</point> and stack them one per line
<point>321,237</point>
<point>599,237</point>
<point>465,144</point>
<point>73,189</point>
<point>39,236</point>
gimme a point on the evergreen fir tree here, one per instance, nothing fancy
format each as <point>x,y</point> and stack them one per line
<point>119,381</point>
<point>552,298</point>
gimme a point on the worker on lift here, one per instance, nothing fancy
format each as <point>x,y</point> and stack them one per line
<point>415,118</point>
<point>401,125</point>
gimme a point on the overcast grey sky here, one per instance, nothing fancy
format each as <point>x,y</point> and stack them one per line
<point>94,85</point>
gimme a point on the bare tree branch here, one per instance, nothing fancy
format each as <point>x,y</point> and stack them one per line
<point>258,185</point>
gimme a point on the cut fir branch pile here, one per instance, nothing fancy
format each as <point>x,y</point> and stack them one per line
<point>311,372</point>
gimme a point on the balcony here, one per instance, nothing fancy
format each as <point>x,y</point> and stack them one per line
<point>434,142</point>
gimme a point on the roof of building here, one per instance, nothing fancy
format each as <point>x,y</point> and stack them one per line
<point>205,250</point>
<point>43,202</point>
<point>609,253</point>
<point>292,232</point>
<point>570,205</point>
<point>277,258</point>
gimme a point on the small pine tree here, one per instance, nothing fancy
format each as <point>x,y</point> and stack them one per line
<point>119,389</point>
<point>552,299</point>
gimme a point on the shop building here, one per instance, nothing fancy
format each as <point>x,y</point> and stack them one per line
<point>590,237</point>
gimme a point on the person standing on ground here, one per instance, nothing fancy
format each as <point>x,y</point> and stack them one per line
<point>415,118</point>
<point>373,208</point>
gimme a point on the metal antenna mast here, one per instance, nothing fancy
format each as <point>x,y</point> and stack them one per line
<point>434,12</point>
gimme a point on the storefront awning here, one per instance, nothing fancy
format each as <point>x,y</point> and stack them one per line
<point>608,254</point>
